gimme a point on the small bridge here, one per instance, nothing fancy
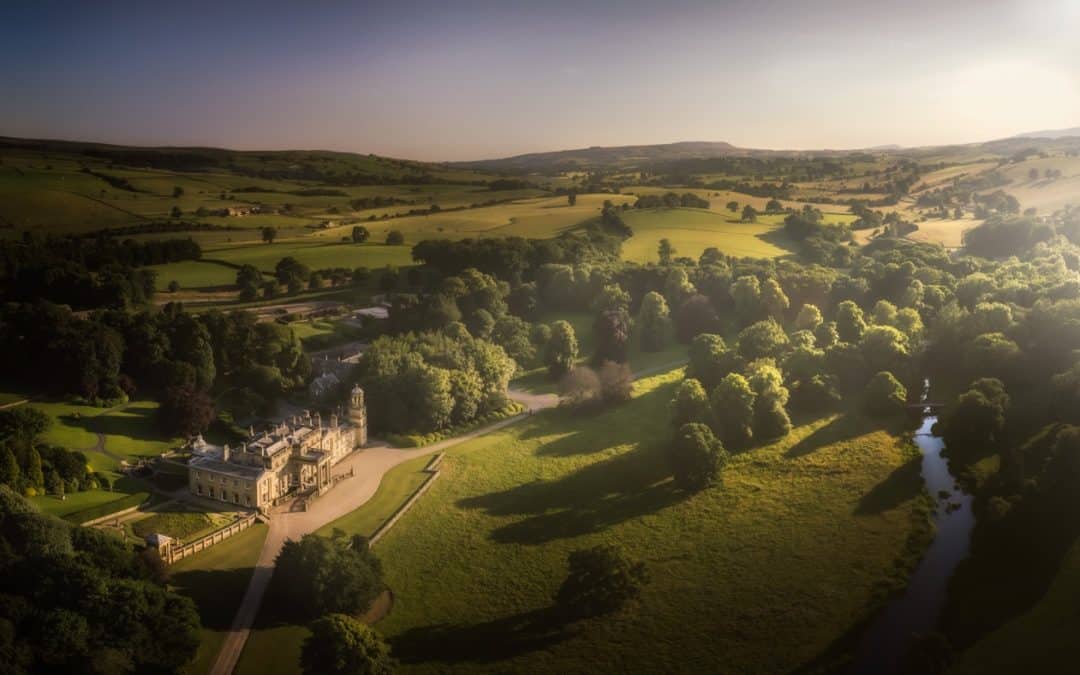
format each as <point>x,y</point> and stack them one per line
<point>928,404</point>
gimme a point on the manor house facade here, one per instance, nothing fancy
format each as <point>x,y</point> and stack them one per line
<point>295,456</point>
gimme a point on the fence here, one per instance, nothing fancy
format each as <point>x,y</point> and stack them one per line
<point>179,552</point>
<point>432,469</point>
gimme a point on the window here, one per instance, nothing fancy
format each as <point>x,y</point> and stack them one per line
<point>211,493</point>
<point>198,488</point>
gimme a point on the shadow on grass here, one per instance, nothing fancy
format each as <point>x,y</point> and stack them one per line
<point>598,496</point>
<point>903,484</point>
<point>217,593</point>
<point>844,428</point>
<point>483,642</point>
<point>135,423</point>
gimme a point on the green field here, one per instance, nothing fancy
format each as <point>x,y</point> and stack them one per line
<point>316,254</point>
<point>216,580</point>
<point>75,502</point>
<point>803,539</point>
<point>194,274</point>
<point>691,231</point>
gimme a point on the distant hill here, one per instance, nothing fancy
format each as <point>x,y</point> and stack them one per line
<point>598,156</point>
<point>1051,133</point>
<point>318,166</point>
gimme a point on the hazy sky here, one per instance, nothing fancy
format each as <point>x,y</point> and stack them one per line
<point>445,79</point>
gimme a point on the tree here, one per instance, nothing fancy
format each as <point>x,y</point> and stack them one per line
<point>174,286</point>
<point>185,411</point>
<point>562,349</point>
<point>9,467</point>
<point>611,332</point>
<point>612,297</point>
<point>600,580</point>
<point>733,206</point>
<point>774,206</point>
<point>343,645</point>
<point>616,382</point>
<point>883,348</point>
<point>975,422</point>
<point>318,575</point>
<point>395,238</point>
<point>269,234</point>
<point>34,476</point>
<point>175,212</point>
<point>761,340</point>
<point>695,315</point>
<point>710,360</point>
<point>746,292</point>
<point>360,234</point>
<point>571,198</point>
<point>580,387</point>
<point>177,192</point>
<point>733,411</point>
<point>654,322</point>
<point>809,318</point>
<point>884,395</point>
<point>850,323</point>
<point>665,251</point>
<point>774,300</point>
<point>696,457</point>
<point>690,404</point>
<point>749,214</point>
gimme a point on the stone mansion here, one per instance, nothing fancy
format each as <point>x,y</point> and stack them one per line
<point>295,456</point>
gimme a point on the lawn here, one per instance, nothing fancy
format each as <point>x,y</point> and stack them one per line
<point>74,502</point>
<point>395,489</point>
<point>1043,640</point>
<point>216,580</point>
<point>194,274</point>
<point>776,566</point>
<point>128,430</point>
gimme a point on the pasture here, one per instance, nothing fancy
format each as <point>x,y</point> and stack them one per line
<point>803,538</point>
<point>691,231</point>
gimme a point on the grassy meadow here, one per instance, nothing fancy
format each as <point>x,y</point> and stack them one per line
<point>803,538</point>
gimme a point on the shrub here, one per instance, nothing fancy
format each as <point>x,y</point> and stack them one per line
<point>884,395</point>
<point>696,456</point>
<point>600,580</point>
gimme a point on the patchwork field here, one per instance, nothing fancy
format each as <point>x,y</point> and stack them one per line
<point>194,274</point>
<point>802,539</point>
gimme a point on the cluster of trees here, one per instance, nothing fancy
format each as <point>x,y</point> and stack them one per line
<point>86,273</point>
<point>671,200</point>
<point>516,259</point>
<point>29,466</point>
<point>80,600</point>
<point>430,381</point>
<point>110,355</point>
<point>328,582</point>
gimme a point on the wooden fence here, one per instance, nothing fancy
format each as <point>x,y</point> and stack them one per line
<point>179,552</point>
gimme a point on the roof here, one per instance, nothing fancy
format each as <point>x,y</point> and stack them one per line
<point>230,468</point>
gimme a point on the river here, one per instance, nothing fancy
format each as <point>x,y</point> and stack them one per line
<point>918,609</point>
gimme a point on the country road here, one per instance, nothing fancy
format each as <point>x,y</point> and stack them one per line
<point>368,468</point>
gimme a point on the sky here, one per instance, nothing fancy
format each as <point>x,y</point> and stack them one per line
<point>473,79</point>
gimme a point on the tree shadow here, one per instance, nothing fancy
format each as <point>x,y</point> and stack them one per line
<point>134,423</point>
<point>483,642</point>
<point>844,428</point>
<point>779,239</point>
<point>591,499</point>
<point>216,593</point>
<point>900,486</point>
